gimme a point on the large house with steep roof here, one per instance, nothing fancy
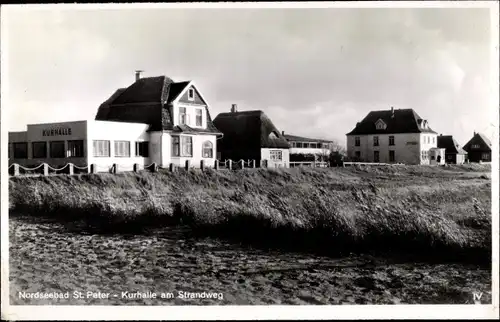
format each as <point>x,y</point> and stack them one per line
<point>394,136</point>
<point>250,135</point>
<point>478,148</point>
<point>154,120</point>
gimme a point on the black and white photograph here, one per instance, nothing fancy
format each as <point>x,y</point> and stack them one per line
<point>250,160</point>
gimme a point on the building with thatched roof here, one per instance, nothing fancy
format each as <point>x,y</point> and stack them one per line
<point>250,135</point>
<point>478,148</point>
<point>454,154</point>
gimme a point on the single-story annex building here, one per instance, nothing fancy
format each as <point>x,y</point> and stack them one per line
<point>453,153</point>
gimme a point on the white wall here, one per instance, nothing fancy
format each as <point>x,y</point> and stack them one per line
<point>265,154</point>
<point>191,114</point>
<point>427,142</point>
<point>116,131</point>
<point>155,147</point>
<point>407,147</point>
<point>195,160</point>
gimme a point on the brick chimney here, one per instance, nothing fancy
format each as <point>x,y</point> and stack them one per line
<point>234,108</point>
<point>138,74</point>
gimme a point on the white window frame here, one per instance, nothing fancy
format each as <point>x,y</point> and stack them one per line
<point>199,116</point>
<point>101,148</point>
<point>186,146</point>
<point>122,149</point>
<point>276,155</point>
<point>205,147</point>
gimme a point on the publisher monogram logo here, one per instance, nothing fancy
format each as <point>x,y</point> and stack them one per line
<point>476,296</point>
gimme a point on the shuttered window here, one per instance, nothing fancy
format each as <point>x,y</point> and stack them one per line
<point>101,148</point>
<point>122,149</point>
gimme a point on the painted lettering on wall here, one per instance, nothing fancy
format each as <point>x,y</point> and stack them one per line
<point>411,143</point>
<point>57,131</point>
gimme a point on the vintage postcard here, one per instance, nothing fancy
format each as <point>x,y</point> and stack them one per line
<point>279,160</point>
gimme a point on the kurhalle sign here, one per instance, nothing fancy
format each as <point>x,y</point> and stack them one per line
<point>57,131</point>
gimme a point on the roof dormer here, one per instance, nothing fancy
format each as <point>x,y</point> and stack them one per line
<point>380,125</point>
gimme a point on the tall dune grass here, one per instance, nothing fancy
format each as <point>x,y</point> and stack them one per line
<point>436,212</point>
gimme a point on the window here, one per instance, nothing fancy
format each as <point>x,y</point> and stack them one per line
<point>57,149</point>
<point>187,146</point>
<point>380,125</point>
<point>320,146</point>
<point>122,149</point>
<point>182,115</point>
<point>199,117</point>
<point>391,140</point>
<point>142,149</point>
<point>305,145</point>
<point>39,150</point>
<point>273,135</point>
<point>75,149</point>
<point>191,94</point>
<point>485,156</point>
<point>376,156</point>
<point>433,139</point>
<point>20,150</point>
<point>423,155</point>
<point>9,151</point>
<point>357,141</point>
<point>432,157</point>
<point>276,155</point>
<point>175,146</point>
<point>475,146</point>
<point>375,141</point>
<point>101,148</point>
<point>207,150</point>
<point>392,156</point>
<point>358,155</point>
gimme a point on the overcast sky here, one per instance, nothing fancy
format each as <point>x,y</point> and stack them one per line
<point>314,72</point>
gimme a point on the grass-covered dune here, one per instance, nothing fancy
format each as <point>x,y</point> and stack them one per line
<point>442,213</point>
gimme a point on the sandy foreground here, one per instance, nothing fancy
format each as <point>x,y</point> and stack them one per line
<point>53,258</point>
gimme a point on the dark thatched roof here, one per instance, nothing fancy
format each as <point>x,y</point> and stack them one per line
<point>295,138</point>
<point>480,139</point>
<point>148,100</point>
<point>402,121</point>
<point>448,143</point>
<point>248,129</point>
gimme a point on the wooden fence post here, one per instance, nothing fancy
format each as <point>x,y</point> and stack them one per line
<point>202,165</point>
<point>253,164</point>
<point>186,166</point>
<point>171,167</point>
<point>230,165</point>
<point>92,168</point>
<point>16,169</point>
<point>216,165</point>
<point>114,168</point>
<point>136,167</point>
<point>154,167</point>
<point>242,164</point>
<point>45,169</point>
<point>71,169</point>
